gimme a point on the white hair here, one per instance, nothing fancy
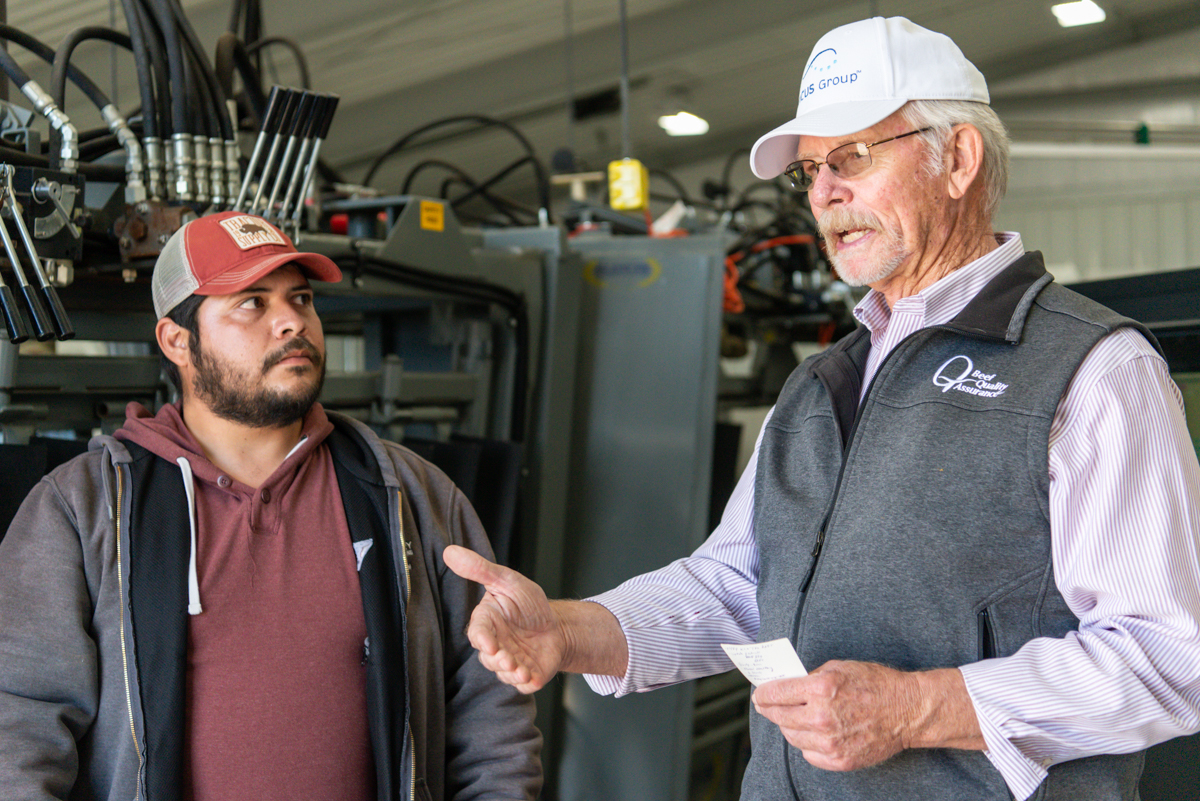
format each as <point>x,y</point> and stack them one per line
<point>941,116</point>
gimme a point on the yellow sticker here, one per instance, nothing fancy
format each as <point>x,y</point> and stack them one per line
<point>628,185</point>
<point>433,216</point>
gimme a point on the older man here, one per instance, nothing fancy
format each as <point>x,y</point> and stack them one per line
<point>242,596</point>
<point>976,517</point>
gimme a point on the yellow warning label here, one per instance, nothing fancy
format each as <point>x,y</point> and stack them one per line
<point>628,185</point>
<point>433,216</point>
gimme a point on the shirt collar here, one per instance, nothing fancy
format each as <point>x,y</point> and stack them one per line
<point>941,301</point>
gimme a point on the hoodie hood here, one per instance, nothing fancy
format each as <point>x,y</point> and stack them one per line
<point>167,436</point>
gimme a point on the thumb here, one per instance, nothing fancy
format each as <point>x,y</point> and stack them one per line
<point>471,566</point>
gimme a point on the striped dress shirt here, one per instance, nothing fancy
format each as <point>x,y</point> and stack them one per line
<point>1125,531</point>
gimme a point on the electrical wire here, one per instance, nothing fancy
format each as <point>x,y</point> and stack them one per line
<point>481,121</point>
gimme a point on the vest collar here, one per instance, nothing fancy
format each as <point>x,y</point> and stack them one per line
<point>1000,309</point>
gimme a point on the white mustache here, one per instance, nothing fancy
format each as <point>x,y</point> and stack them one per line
<point>835,221</point>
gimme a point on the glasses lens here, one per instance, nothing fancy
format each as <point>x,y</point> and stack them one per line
<point>802,174</point>
<point>849,159</point>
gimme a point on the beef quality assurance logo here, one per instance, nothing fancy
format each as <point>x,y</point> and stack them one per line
<point>959,374</point>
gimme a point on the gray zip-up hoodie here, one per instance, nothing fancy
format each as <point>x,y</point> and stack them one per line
<point>93,628</point>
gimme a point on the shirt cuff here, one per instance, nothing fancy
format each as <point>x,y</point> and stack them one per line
<point>1022,774</point>
<point>648,667</point>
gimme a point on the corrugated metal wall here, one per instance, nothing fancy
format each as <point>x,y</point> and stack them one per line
<point>1106,215</point>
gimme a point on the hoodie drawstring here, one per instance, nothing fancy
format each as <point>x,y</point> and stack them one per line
<point>189,488</point>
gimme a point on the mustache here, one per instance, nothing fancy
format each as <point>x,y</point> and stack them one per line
<point>290,347</point>
<point>835,221</point>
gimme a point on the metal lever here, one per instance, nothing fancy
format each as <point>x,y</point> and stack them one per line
<point>62,324</point>
<point>44,190</point>
<point>42,329</point>
<point>12,315</point>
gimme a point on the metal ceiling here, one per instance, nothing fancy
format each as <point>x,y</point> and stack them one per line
<point>399,65</point>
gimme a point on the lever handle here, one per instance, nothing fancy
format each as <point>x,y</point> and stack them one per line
<point>43,329</point>
<point>12,316</point>
<point>62,324</point>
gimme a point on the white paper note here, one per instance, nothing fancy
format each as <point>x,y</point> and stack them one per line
<point>761,662</point>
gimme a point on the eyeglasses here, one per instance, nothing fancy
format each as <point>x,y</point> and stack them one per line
<point>846,161</point>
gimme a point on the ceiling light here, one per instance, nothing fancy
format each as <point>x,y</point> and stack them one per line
<point>683,124</point>
<point>1081,12</point>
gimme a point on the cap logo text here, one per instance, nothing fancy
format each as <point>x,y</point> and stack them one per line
<point>821,64</point>
<point>250,232</point>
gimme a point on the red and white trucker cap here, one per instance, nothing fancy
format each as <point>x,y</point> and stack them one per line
<point>859,74</point>
<point>224,253</point>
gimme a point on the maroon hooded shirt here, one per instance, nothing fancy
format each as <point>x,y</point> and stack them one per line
<point>276,699</point>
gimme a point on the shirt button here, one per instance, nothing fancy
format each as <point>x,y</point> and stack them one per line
<point>224,482</point>
<point>265,495</point>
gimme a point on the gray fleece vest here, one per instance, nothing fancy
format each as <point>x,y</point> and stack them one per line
<point>914,530</point>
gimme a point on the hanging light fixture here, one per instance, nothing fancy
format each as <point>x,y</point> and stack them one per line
<point>1080,12</point>
<point>683,123</point>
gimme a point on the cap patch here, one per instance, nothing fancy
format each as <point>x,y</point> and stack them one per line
<point>250,232</point>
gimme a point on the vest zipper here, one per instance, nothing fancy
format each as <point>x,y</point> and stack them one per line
<point>404,554</point>
<point>121,610</point>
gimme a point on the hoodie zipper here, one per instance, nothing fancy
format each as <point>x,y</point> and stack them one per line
<point>124,649</point>
<point>404,553</point>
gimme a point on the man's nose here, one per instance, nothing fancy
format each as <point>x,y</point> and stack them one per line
<point>289,320</point>
<point>828,187</point>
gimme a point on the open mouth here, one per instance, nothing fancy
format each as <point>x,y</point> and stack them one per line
<point>848,237</point>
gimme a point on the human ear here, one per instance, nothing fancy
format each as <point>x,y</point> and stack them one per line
<point>964,159</point>
<point>174,341</point>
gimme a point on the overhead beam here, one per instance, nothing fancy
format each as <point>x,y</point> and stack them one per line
<point>1119,31</point>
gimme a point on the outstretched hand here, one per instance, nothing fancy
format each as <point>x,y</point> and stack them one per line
<point>516,631</point>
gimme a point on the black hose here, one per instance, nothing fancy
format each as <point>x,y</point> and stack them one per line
<point>206,118</point>
<point>62,59</point>
<point>145,69</point>
<point>106,173</point>
<point>235,16</point>
<point>482,121</point>
<point>152,36</point>
<point>231,55</point>
<point>208,80</point>
<point>490,182</point>
<point>501,205</point>
<point>46,53</point>
<point>291,44</point>
<point>471,289</point>
<point>180,113</point>
<point>674,182</point>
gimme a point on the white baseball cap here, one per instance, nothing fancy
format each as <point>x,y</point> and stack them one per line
<point>859,74</point>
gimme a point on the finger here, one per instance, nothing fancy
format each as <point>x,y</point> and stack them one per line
<point>473,567</point>
<point>481,631</point>
<point>779,692</point>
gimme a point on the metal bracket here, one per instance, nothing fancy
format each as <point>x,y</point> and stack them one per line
<point>63,199</point>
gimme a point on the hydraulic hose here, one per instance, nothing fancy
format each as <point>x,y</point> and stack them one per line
<point>208,79</point>
<point>46,53</point>
<point>68,153</point>
<point>231,55</point>
<point>291,44</point>
<point>181,119</point>
<point>145,69</point>
<point>62,59</point>
<point>152,36</point>
<point>483,121</point>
